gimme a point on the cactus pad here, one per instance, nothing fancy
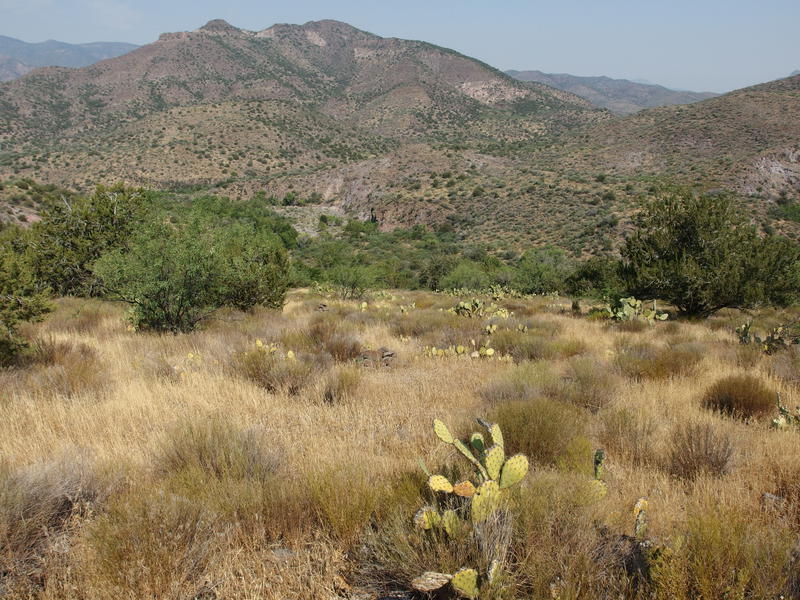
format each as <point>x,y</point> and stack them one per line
<point>495,457</point>
<point>430,581</point>
<point>485,501</point>
<point>494,431</point>
<point>451,523</point>
<point>427,518</point>
<point>641,505</point>
<point>462,447</point>
<point>493,571</point>
<point>514,470</point>
<point>442,432</point>
<point>465,489</point>
<point>476,441</point>
<point>439,483</point>
<point>465,583</point>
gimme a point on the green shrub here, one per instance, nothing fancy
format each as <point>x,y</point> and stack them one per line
<point>71,235</point>
<point>645,361</point>
<point>175,277</point>
<point>542,271</point>
<point>273,371</point>
<point>700,254</point>
<point>549,432</point>
<point>740,396</point>
<point>20,300</point>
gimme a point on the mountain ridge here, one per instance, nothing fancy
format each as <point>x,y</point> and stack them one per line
<point>53,53</point>
<point>410,132</point>
<point>621,96</point>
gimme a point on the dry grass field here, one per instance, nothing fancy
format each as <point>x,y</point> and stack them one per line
<point>261,457</point>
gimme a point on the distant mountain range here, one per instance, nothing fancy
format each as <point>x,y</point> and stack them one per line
<point>620,96</point>
<point>408,131</point>
<point>797,72</point>
<point>18,57</point>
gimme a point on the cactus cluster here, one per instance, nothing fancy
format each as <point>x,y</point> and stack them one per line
<point>478,309</point>
<point>471,351</point>
<point>631,309</point>
<point>785,418</point>
<point>406,308</point>
<point>494,474</point>
<point>778,338</point>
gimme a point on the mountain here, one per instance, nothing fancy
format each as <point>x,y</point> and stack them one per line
<point>617,95</point>
<point>745,141</point>
<point>797,72</point>
<point>53,53</point>
<point>406,131</point>
<point>11,68</point>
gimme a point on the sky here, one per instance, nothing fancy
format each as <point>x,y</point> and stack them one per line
<point>700,45</point>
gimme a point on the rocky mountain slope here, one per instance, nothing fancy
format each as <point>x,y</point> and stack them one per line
<point>620,96</point>
<point>406,131</point>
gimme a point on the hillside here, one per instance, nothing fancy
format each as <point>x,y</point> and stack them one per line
<point>620,96</point>
<point>411,133</point>
<point>11,68</point>
<point>746,140</point>
<point>55,53</point>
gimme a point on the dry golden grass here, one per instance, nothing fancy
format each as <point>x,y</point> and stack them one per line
<point>169,467</point>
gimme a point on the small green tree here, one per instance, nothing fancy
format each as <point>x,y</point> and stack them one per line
<point>542,270</point>
<point>700,254</point>
<point>20,300</point>
<point>73,233</point>
<point>176,277</point>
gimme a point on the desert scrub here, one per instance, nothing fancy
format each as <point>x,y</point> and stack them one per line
<point>629,435</point>
<point>727,552</point>
<point>551,433</point>
<point>567,555</point>
<point>341,383</point>
<point>39,504</point>
<point>152,545</point>
<point>324,334</point>
<point>272,369</point>
<point>63,369</point>
<point>740,396</point>
<point>236,475</point>
<point>699,449</point>
<point>640,360</point>
<point>586,382</point>
<point>523,345</point>
<point>522,382</point>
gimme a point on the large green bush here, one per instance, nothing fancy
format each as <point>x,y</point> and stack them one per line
<point>700,254</point>
<point>75,232</point>
<point>174,277</point>
<point>542,271</point>
<point>20,300</point>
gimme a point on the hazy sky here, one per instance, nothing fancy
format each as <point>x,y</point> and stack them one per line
<point>702,45</point>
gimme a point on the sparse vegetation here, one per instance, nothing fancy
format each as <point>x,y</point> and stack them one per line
<point>232,438</point>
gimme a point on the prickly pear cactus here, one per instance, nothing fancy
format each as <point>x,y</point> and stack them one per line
<point>439,483</point>
<point>514,471</point>
<point>427,518</point>
<point>465,489</point>
<point>485,501</point>
<point>465,583</point>
<point>442,432</point>
<point>495,457</point>
<point>494,475</point>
